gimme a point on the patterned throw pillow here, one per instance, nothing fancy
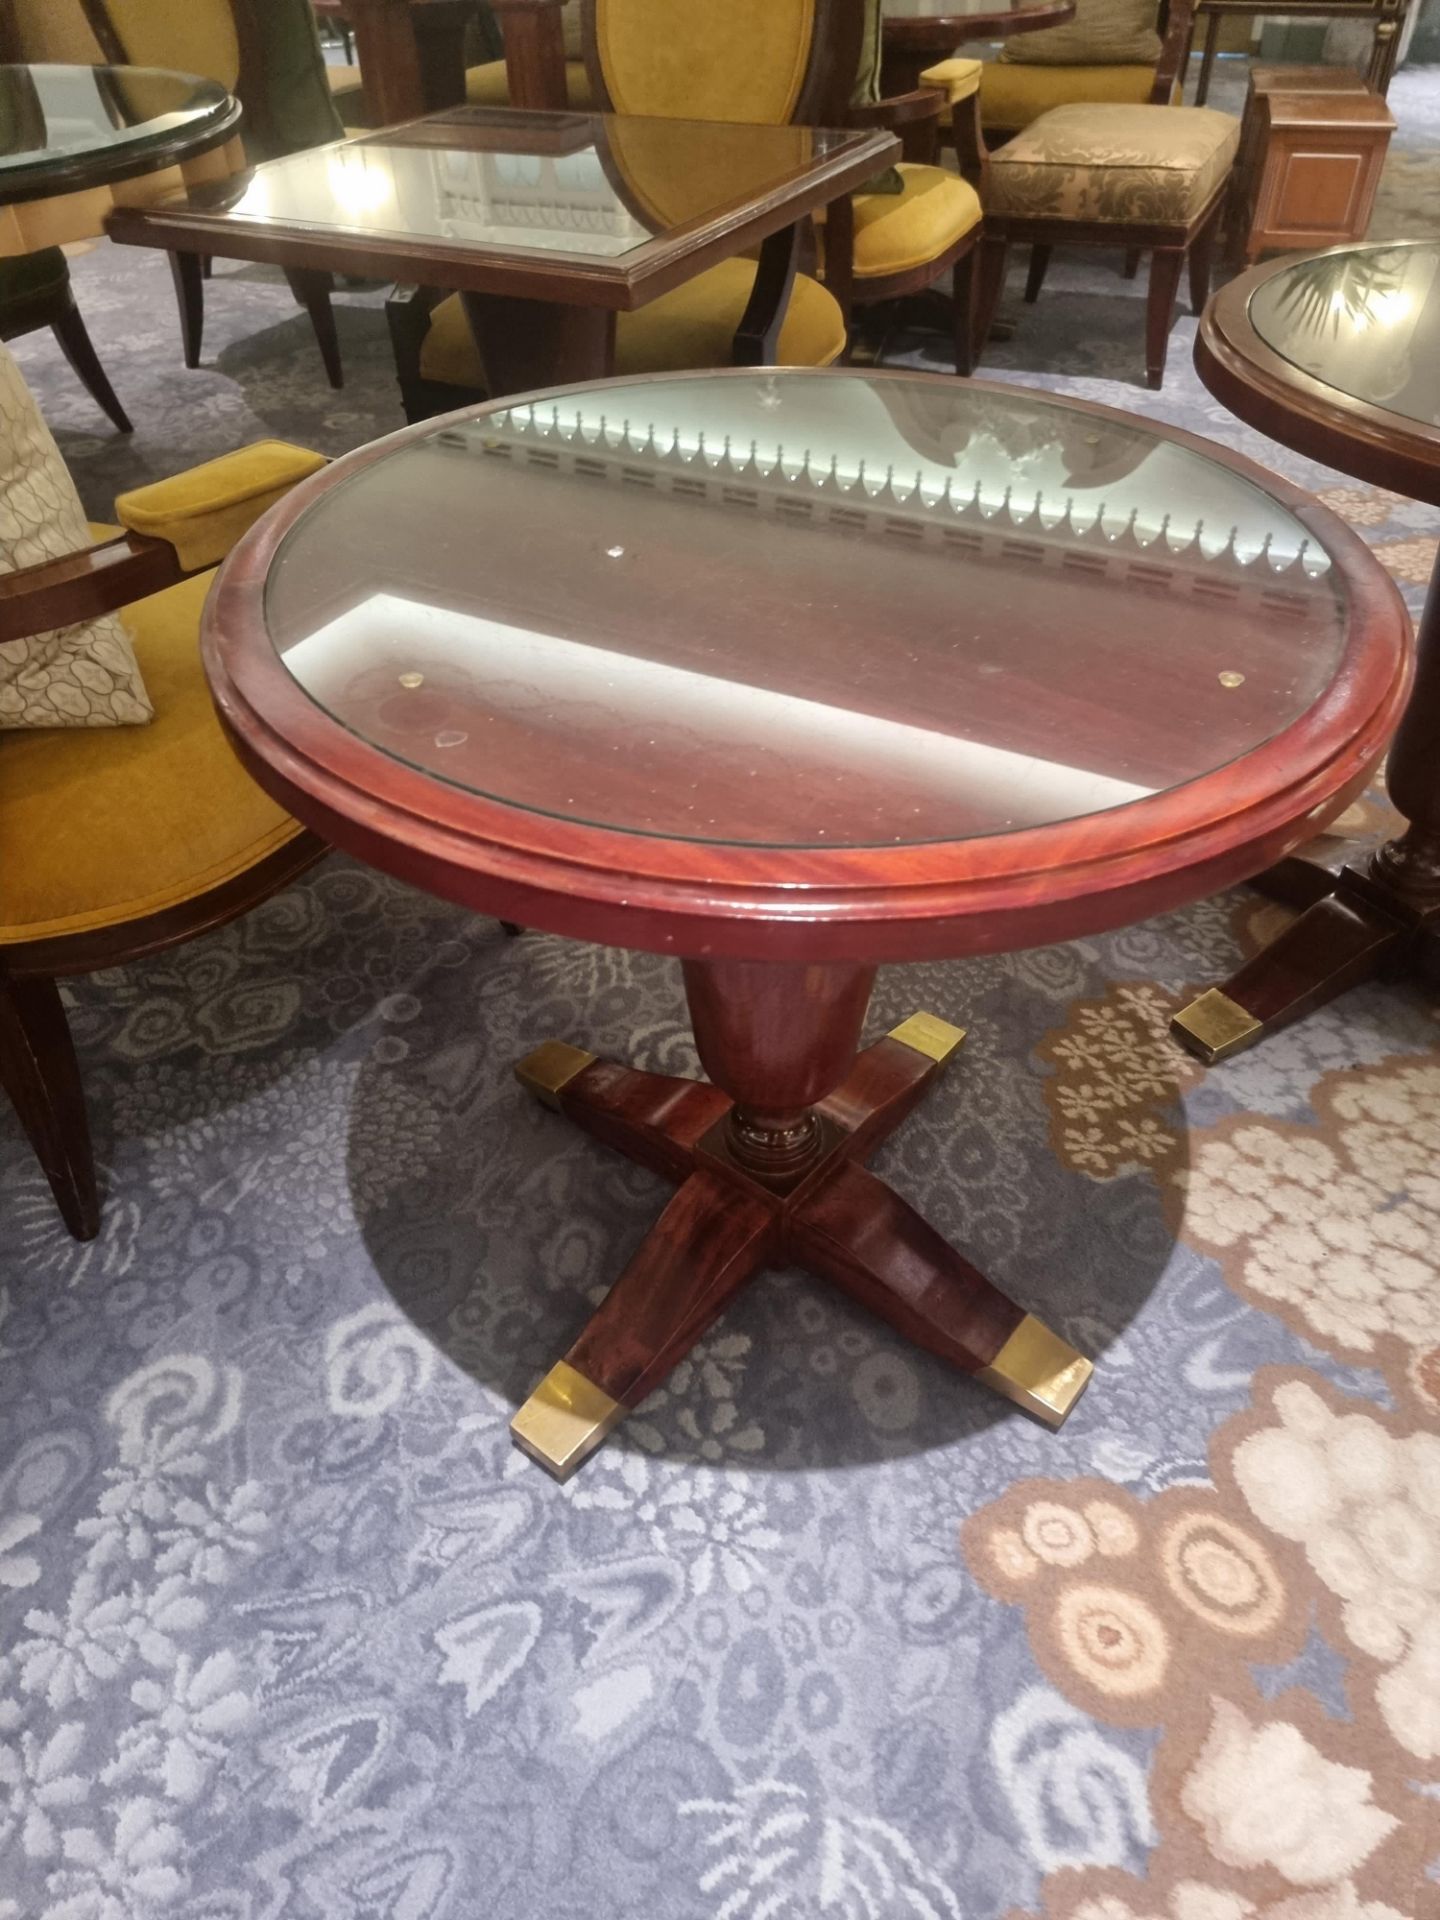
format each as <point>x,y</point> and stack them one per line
<point>1104,33</point>
<point>82,676</point>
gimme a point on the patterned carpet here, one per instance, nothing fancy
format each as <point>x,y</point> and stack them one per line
<point>289,1632</point>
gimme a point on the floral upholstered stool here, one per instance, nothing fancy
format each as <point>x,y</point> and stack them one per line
<point>1146,178</point>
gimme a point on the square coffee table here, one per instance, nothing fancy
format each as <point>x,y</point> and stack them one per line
<point>547,224</point>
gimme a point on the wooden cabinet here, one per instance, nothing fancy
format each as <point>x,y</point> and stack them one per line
<point>1313,144</point>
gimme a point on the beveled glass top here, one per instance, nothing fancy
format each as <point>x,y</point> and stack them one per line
<point>54,114</point>
<point>590,184</point>
<point>1365,321</point>
<point>806,610</point>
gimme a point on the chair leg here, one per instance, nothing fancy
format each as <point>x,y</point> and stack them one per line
<point>40,1073</point>
<point>188,273</point>
<point>993,250</point>
<point>1035,278</point>
<point>964,285</point>
<point>1132,262</point>
<point>69,330</point>
<point>1202,252</point>
<point>312,289</point>
<point>1165,265</point>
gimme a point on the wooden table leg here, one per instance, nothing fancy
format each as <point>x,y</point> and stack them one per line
<point>539,343</point>
<point>766,1157</point>
<point>1207,59</point>
<point>1387,914</point>
<point>411,57</point>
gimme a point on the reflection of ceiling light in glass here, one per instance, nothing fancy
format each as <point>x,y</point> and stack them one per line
<point>357,186</point>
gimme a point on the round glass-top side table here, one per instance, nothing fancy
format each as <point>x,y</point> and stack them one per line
<point>1335,354</point>
<point>74,141</point>
<point>789,674</point>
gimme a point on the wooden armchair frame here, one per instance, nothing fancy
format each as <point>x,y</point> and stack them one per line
<point>38,1067</point>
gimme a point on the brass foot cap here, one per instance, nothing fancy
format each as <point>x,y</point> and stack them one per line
<point>1038,1371</point>
<point>551,1068</point>
<point>564,1420</point>
<point>1214,1026</point>
<point>928,1034</point>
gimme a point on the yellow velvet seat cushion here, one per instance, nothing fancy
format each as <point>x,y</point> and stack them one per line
<point>1131,165</point>
<point>489,86</point>
<point>692,327</point>
<point>108,825</point>
<point>895,232</point>
<point>1011,96</point>
<point>202,512</point>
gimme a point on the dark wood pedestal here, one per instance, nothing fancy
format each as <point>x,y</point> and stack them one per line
<point>768,1160</point>
<point>1364,921</point>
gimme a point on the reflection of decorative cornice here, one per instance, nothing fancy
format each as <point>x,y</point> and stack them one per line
<point>811,492</point>
<point>549,216</point>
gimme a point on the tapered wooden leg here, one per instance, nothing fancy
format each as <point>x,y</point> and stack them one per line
<point>41,1075</point>
<point>313,289</point>
<point>187,271</point>
<point>1341,940</point>
<point>766,1160</point>
<point>653,1118</point>
<point>1165,265</point>
<point>1133,257</point>
<point>889,1079</point>
<point>860,1234</point>
<point>707,1243</point>
<point>1035,278</point>
<point>538,343</point>
<point>1202,252</point>
<point>1365,921</point>
<point>964,281</point>
<point>993,251</point>
<point>69,330</point>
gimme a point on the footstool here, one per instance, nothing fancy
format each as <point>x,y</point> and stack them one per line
<point>1145,178</point>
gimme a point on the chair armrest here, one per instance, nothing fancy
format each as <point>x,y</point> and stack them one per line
<point>956,79</point>
<point>534,39</point>
<point>84,585</point>
<point>1173,49</point>
<point>202,513</point>
<point>900,109</point>
<point>959,81</point>
<point>915,116</point>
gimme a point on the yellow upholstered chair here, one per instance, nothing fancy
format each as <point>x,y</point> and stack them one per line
<point>119,841</point>
<point>1112,53</point>
<point>757,62</point>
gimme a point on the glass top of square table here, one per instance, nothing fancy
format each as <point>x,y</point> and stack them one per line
<point>586,186</point>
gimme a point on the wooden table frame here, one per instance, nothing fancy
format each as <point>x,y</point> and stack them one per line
<point>1388,15</point>
<point>537,316</point>
<point>780,949</point>
<point>1387,913</point>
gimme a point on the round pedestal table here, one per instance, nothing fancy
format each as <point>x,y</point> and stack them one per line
<point>1338,355</point>
<point>81,140</point>
<point>789,674</point>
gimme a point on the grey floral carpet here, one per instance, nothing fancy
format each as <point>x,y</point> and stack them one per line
<point>288,1631</point>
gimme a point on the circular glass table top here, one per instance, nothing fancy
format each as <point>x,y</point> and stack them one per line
<point>58,120</point>
<point>1363,320</point>
<point>806,610</point>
